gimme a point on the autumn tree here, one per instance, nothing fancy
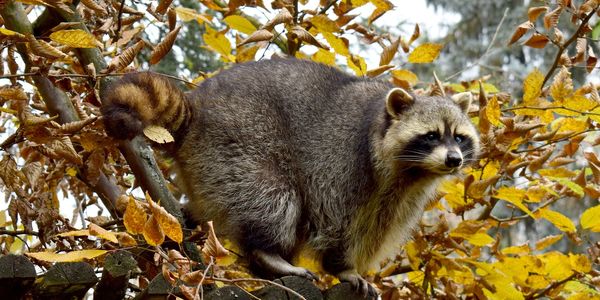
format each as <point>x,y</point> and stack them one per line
<point>539,143</point>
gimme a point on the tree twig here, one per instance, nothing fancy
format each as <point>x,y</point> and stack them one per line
<point>235,280</point>
<point>566,44</point>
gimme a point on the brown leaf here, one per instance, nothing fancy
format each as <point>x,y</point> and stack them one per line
<point>416,34</point>
<point>257,36</point>
<point>477,189</point>
<point>212,246</point>
<point>93,166</point>
<point>100,232</point>
<point>32,171</point>
<point>153,233</point>
<point>521,30</point>
<point>10,175</point>
<point>561,161</point>
<point>44,49</point>
<point>301,34</point>
<point>379,70</point>
<point>164,46</point>
<point>590,63</point>
<point>537,41</point>
<point>551,18</point>
<point>63,147</point>
<point>169,224</point>
<point>537,163</point>
<point>126,57</point>
<point>283,16</point>
<point>388,53</point>
<point>73,127</point>
<point>172,18</point>
<point>534,12</point>
<point>135,217</point>
<point>580,47</point>
<point>97,8</point>
<point>162,7</point>
<point>125,239</point>
<point>558,36</point>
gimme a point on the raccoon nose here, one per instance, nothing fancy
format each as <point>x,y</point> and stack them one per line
<point>453,159</point>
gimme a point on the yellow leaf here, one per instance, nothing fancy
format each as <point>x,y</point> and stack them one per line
<point>454,193</point>
<point>579,103</point>
<point>217,42</point>
<point>580,263</point>
<point>532,87</point>
<point>535,194</point>
<point>357,64</point>
<point>547,241</point>
<point>240,24</point>
<point>7,32</point>
<point>100,232</point>
<point>514,196</point>
<point>556,265</point>
<point>562,86</point>
<point>558,172</point>
<point>187,14</point>
<point>247,53</point>
<point>75,38</point>
<point>413,252</point>
<point>71,171</point>
<point>576,188</point>
<point>158,134</point>
<point>168,223</point>
<point>324,24</point>
<point>416,277</point>
<point>590,219</point>
<point>425,53</point>
<point>523,249</point>
<point>492,111</point>
<point>153,234</point>
<point>487,87</point>
<point>83,232</point>
<point>480,239</point>
<point>325,57</point>
<point>406,75</point>
<point>559,220</point>
<point>338,44</point>
<point>135,217</point>
<point>66,257</point>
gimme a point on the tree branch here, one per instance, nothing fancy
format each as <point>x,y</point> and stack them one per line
<point>57,102</point>
<point>566,44</point>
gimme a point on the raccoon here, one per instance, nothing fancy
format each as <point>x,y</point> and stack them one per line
<point>287,153</point>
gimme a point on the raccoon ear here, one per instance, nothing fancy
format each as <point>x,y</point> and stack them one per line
<point>397,100</point>
<point>463,100</point>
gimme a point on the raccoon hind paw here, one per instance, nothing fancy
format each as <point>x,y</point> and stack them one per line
<point>122,122</point>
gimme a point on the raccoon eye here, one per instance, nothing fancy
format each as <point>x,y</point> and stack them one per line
<point>459,138</point>
<point>432,136</point>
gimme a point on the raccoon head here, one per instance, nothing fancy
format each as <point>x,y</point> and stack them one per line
<point>430,133</point>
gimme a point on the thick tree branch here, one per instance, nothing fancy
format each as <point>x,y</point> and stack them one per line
<point>57,102</point>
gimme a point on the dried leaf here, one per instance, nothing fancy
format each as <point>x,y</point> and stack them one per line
<point>125,240</point>
<point>212,246</point>
<point>63,147</point>
<point>75,38</point>
<point>416,34</point>
<point>164,46</point>
<point>158,134</point>
<point>590,63</point>
<point>97,8</point>
<point>93,166</point>
<point>551,18</point>
<point>73,127</point>
<point>44,49</point>
<point>379,70</point>
<point>72,256</point>
<point>301,34</point>
<point>388,53</point>
<point>520,31</point>
<point>537,41</point>
<point>534,12</point>
<point>100,232</point>
<point>162,7</point>
<point>135,217</point>
<point>283,16</point>
<point>168,223</point>
<point>257,36</point>
<point>425,53</point>
<point>126,57</point>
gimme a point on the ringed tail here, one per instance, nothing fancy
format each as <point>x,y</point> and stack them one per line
<point>141,99</point>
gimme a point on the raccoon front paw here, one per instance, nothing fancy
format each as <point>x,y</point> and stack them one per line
<point>359,284</point>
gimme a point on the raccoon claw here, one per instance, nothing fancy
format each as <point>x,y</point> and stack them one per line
<point>360,285</point>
